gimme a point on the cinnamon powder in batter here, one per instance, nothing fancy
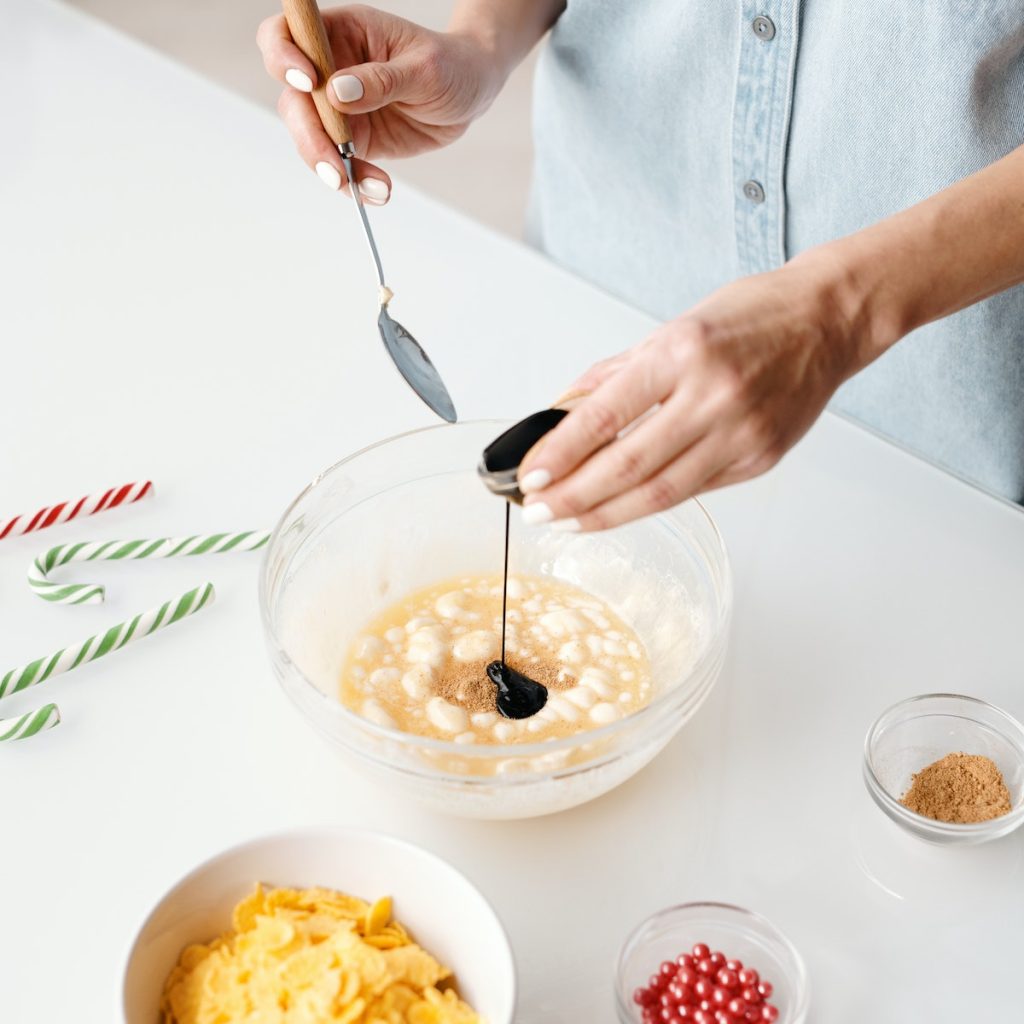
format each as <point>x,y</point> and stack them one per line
<point>467,685</point>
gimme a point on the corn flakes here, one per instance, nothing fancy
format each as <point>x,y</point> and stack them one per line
<point>311,956</point>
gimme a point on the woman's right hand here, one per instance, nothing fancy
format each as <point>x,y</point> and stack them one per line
<point>406,88</point>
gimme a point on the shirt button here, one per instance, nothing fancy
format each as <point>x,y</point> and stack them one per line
<point>753,191</point>
<point>764,28</point>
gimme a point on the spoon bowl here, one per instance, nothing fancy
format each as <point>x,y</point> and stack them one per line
<point>415,366</point>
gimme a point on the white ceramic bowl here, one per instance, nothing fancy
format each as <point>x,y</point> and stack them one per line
<point>411,511</point>
<point>444,913</point>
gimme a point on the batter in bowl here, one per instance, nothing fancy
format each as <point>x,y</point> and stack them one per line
<point>421,665</point>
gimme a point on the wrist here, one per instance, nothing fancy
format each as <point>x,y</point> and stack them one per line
<point>851,281</point>
<point>494,51</point>
<point>504,31</point>
<point>490,63</point>
<point>957,247</point>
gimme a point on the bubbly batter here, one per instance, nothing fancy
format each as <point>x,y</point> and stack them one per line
<point>421,665</point>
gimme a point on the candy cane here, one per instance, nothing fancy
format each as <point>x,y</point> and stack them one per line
<point>130,631</point>
<point>66,510</point>
<point>120,550</point>
<point>124,633</point>
<point>30,724</point>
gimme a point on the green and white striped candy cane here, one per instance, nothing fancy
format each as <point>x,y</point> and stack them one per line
<point>90,649</point>
<point>94,647</point>
<point>127,550</point>
<point>142,625</point>
<point>29,724</point>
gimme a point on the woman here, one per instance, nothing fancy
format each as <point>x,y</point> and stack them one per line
<point>793,186</point>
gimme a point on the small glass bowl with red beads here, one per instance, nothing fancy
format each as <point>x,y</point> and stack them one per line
<point>710,963</point>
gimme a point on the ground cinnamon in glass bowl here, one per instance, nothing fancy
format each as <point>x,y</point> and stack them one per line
<point>908,747</point>
<point>959,788</point>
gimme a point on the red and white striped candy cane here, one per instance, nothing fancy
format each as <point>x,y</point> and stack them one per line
<point>66,510</point>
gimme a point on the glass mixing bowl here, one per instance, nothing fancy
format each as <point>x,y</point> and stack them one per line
<point>409,512</point>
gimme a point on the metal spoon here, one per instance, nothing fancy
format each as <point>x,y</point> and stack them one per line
<point>308,31</point>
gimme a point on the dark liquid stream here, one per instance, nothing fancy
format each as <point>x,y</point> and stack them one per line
<point>504,581</point>
<point>518,695</point>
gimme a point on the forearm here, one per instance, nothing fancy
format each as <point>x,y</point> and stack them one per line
<point>956,248</point>
<point>510,28</point>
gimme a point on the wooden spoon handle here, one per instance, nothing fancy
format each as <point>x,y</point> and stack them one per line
<point>310,35</point>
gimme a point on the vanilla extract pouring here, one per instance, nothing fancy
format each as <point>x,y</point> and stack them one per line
<point>518,695</point>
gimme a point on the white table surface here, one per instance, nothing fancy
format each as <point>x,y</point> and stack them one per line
<point>181,299</point>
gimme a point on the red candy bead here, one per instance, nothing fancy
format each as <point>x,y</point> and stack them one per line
<point>766,989</point>
<point>668,969</point>
<point>728,979</point>
<point>748,977</point>
<point>769,1013</point>
<point>718,959</point>
<point>703,988</point>
<point>734,965</point>
<point>687,976</point>
<point>640,997</point>
<point>753,1014</point>
<point>701,952</point>
<point>722,1017</point>
<point>704,1017</point>
<point>706,967</point>
<point>720,996</point>
<point>684,960</point>
<point>752,996</point>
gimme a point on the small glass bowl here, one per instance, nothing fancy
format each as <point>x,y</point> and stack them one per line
<point>921,730</point>
<point>740,934</point>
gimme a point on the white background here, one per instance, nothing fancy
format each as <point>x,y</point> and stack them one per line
<point>181,299</point>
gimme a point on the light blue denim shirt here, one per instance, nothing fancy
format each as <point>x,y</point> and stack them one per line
<point>684,143</point>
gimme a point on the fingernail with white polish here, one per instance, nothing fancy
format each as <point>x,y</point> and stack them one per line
<point>374,189</point>
<point>329,175</point>
<point>566,525</point>
<point>535,480</point>
<point>298,80</point>
<point>347,88</point>
<point>537,513</point>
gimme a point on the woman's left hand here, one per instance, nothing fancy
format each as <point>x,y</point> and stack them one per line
<point>711,398</point>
